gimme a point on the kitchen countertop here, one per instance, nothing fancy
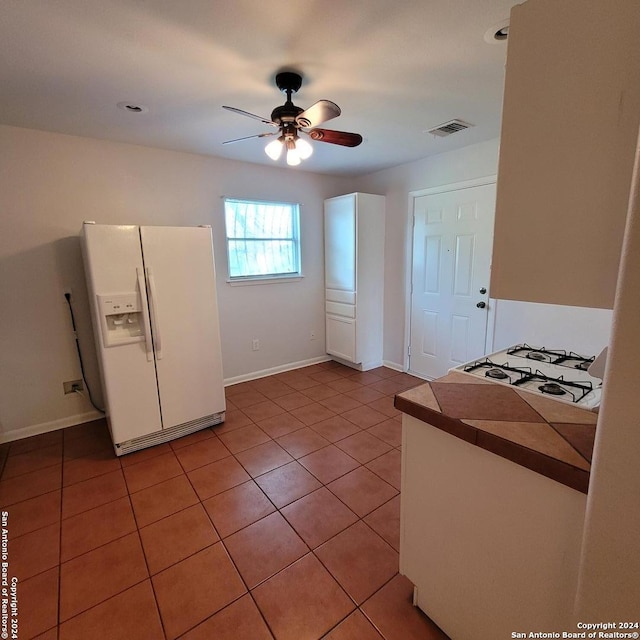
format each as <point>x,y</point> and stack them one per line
<point>549,437</point>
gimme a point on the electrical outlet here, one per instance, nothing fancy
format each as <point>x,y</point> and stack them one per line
<point>312,335</point>
<point>255,344</point>
<point>72,386</point>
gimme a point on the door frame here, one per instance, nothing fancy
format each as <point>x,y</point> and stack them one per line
<point>453,186</point>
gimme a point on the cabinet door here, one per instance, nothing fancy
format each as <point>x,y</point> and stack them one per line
<point>341,337</point>
<point>340,243</point>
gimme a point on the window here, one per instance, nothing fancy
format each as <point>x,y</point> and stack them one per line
<point>263,239</point>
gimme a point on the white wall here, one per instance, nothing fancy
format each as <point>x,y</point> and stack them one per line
<point>474,161</point>
<point>50,183</point>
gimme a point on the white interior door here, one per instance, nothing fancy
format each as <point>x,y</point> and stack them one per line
<point>452,240</point>
<point>182,295</point>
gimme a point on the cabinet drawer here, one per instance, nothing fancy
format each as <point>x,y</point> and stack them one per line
<point>339,309</point>
<point>340,295</point>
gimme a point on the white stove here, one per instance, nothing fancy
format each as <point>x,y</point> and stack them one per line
<point>554,373</point>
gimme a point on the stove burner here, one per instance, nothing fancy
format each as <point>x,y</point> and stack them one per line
<point>552,389</point>
<point>497,374</point>
<point>583,366</point>
<point>536,356</point>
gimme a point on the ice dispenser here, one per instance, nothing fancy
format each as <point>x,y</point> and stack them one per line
<point>121,318</point>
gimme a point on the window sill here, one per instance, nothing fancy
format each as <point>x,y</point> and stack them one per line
<point>244,282</point>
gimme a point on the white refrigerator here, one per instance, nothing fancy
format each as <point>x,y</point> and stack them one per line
<point>155,318</point>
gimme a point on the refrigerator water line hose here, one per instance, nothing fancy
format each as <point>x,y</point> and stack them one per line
<point>75,335</point>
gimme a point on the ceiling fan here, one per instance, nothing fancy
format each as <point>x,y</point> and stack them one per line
<point>290,121</point>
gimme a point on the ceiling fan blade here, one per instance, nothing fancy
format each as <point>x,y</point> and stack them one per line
<point>336,137</point>
<point>317,113</point>
<point>251,115</point>
<point>258,135</point>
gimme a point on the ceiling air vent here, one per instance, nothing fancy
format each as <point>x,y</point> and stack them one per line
<point>448,128</point>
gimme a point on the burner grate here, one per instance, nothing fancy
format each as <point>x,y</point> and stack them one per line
<point>560,357</point>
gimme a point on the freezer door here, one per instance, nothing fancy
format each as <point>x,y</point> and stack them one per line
<point>182,300</point>
<point>113,262</point>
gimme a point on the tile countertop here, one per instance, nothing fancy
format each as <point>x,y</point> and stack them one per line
<point>549,437</point>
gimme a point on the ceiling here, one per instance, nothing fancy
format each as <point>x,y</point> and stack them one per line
<point>396,69</point>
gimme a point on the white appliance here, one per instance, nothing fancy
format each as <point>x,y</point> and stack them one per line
<point>155,318</point>
<point>555,373</point>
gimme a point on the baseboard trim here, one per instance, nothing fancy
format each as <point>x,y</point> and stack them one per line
<point>392,365</point>
<point>45,427</point>
<point>255,375</point>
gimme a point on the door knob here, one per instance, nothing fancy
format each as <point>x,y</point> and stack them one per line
<point>481,305</point>
<point>483,290</point>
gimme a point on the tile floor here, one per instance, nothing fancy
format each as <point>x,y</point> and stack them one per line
<point>281,523</point>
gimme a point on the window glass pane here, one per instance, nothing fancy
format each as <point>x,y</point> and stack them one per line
<point>262,238</point>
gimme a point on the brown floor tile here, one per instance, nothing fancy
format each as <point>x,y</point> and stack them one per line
<point>95,428</point>
<point>235,390</point>
<point>364,416</point>
<point>194,589</point>
<point>146,474</point>
<point>312,413</point>
<point>145,454</point>
<point>362,491</point>
<point>292,400</point>
<point>340,403</point>
<point>335,428</point>
<point>301,442</point>
<point>30,485</point>
<point>264,548</point>
<point>34,513</point>
<point>38,602</point>
<point>272,387</point>
<point>385,406</point>
<point>391,610</point>
<point>241,619</point>
<point>35,442</point>
<point>91,529</point>
<point>90,466</point>
<point>176,537</point>
<point>88,444</point>
<point>287,483</point>
<point>394,384</point>
<point>233,419</point>
<point>360,560</point>
<point>236,508</point>
<point>246,398</point>
<point>280,425</point>
<point>328,463</point>
<point>217,477</point>
<point>318,516</point>
<point>263,410</point>
<point>320,392</point>
<point>355,627</point>
<point>302,602</point>
<point>265,457</point>
<point>244,438</point>
<point>201,453</point>
<point>35,460</point>
<point>298,381</point>
<point>388,467</point>
<point>34,552</point>
<point>365,395</point>
<point>192,438</point>
<point>52,634</point>
<point>92,493</point>
<point>163,499</point>
<point>326,376</point>
<point>345,385</point>
<point>93,577</point>
<point>130,614</point>
<point>385,521</point>
<point>390,431</point>
<point>363,447</point>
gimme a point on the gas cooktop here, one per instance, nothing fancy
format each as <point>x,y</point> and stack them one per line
<point>555,373</point>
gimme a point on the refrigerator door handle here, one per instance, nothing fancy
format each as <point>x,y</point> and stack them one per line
<point>148,345</point>
<point>154,313</point>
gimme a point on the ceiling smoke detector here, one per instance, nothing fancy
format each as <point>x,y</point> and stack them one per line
<point>447,128</point>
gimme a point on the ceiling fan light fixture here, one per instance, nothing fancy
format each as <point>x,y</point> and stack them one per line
<point>293,157</point>
<point>274,148</point>
<point>303,148</point>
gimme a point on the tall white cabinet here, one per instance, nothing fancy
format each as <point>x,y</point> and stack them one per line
<point>354,278</point>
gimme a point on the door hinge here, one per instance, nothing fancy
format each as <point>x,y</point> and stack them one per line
<point>409,350</point>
